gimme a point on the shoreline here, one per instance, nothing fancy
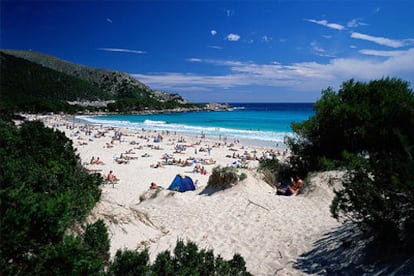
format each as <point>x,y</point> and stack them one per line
<point>249,142</point>
<point>219,135</point>
<point>248,218</point>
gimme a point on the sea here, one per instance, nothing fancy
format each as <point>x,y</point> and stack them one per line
<point>262,124</point>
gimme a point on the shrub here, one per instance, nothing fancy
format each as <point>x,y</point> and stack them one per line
<point>163,264</point>
<point>269,177</point>
<point>367,128</point>
<point>43,191</point>
<point>69,257</point>
<point>189,260</point>
<point>274,171</point>
<point>96,237</point>
<point>186,260</point>
<point>130,262</point>
<point>242,176</point>
<point>151,194</point>
<point>224,177</point>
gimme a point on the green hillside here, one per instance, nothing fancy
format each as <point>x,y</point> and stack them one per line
<point>35,82</point>
<point>117,84</point>
<point>24,84</point>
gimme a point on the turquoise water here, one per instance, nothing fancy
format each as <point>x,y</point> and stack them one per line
<point>261,122</point>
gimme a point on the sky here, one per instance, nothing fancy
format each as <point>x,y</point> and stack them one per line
<point>218,51</point>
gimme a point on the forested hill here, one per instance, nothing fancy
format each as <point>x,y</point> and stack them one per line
<point>38,82</point>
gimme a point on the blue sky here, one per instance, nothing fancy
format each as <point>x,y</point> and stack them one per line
<point>236,51</point>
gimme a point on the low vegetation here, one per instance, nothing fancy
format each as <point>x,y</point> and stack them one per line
<point>275,171</point>
<point>186,260</point>
<point>150,194</point>
<point>224,177</point>
<point>44,190</point>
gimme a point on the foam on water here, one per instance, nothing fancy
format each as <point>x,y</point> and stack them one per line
<point>269,136</point>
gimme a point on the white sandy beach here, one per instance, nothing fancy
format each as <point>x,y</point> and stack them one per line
<point>270,232</point>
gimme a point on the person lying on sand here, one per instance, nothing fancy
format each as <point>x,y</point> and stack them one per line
<point>158,165</point>
<point>292,189</point>
<point>121,160</point>
<point>154,186</point>
<point>126,157</point>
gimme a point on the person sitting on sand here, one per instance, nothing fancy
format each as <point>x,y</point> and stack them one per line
<point>99,162</point>
<point>293,189</point>
<point>93,161</point>
<point>196,168</point>
<point>111,177</point>
<point>154,186</point>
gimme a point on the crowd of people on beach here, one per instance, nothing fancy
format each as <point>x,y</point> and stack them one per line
<point>152,140</point>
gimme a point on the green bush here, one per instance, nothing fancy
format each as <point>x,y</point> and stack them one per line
<point>69,257</point>
<point>43,191</point>
<point>367,128</point>
<point>275,172</point>
<point>96,237</point>
<point>269,177</point>
<point>128,262</point>
<point>189,260</point>
<point>163,264</point>
<point>224,177</point>
<point>242,176</point>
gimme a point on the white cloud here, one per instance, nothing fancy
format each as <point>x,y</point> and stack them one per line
<point>232,37</point>
<point>109,20</point>
<point>213,32</point>
<point>193,60</point>
<point>319,50</point>
<point>379,40</point>
<point>266,38</point>
<point>356,22</point>
<point>381,53</point>
<point>215,47</point>
<point>301,76</point>
<point>122,50</point>
<point>327,24</point>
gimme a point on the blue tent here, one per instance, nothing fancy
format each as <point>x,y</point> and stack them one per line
<point>182,183</point>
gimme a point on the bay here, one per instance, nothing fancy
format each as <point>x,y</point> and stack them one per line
<point>257,123</point>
